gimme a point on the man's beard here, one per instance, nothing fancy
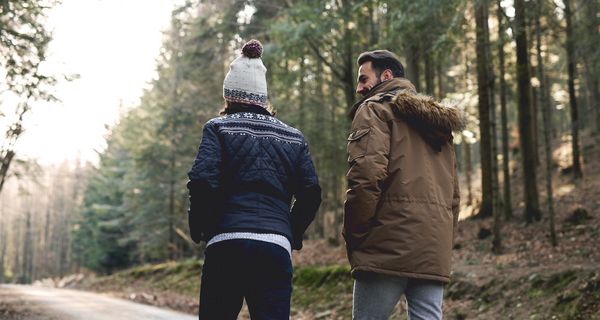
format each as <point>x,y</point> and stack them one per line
<point>375,85</point>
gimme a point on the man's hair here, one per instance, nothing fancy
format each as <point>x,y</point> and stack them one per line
<point>382,60</point>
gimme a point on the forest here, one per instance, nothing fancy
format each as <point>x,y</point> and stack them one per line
<point>524,73</point>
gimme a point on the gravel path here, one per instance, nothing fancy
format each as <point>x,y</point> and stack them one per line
<point>29,302</point>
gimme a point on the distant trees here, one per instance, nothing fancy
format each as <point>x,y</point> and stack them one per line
<point>37,217</point>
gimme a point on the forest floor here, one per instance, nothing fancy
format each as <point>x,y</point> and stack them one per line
<point>529,279</point>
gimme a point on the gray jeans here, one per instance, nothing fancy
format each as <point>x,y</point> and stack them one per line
<point>376,295</point>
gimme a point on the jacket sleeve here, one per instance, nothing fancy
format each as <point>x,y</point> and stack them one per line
<point>204,186</point>
<point>455,203</point>
<point>307,193</point>
<point>368,152</point>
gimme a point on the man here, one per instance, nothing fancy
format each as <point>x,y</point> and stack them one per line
<point>401,208</point>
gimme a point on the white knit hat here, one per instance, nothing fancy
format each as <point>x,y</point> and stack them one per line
<point>246,81</point>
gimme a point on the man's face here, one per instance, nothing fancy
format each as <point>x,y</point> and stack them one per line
<point>367,78</point>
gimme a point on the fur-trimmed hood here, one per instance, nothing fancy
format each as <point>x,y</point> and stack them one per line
<point>419,108</point>
<point>434,120</point>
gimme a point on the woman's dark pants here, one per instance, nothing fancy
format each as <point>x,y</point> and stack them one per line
<point>236,269</point>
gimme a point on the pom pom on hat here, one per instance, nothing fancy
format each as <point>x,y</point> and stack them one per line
<point>252,49</point>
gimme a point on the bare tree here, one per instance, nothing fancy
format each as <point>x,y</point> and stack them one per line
<point>570,47</point>
<point>503,115</point>
<point>532,211</point>
<point>547,127</point>
<point>483,90</point>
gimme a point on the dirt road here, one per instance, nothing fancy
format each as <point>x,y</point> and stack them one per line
<point>29,302</point>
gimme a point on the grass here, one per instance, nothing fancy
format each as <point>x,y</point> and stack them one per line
<point>327,290</point>
<point>323,288</point>
<point>181,277</point>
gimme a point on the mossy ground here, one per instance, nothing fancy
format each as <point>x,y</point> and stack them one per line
<point>325,292</point>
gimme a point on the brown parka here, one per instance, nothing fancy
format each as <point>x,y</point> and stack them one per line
<point>401,208</point>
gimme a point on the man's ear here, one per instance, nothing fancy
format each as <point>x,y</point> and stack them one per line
<point>387,75</point>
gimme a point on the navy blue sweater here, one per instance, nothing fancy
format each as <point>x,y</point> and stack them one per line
<point>249,167</point>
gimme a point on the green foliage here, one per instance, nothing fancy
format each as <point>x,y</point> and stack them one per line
<point>100,236</point>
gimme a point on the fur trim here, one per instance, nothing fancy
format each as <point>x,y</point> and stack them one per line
<point>430,118</point>
<point>428,112</point>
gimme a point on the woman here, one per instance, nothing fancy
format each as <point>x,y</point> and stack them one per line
<point>249,167</point>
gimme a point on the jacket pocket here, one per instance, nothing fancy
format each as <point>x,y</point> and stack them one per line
<point>357,144</point>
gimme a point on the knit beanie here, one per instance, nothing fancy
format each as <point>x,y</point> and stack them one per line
<point>246,81</point>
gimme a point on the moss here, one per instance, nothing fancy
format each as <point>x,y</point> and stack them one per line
<point>323,288</point>
<point>491,292</point>
<point>459,289</point>
<point>580,303</point>
<point>318,276</point>
<point>551,285</point>
<point>559,281</point>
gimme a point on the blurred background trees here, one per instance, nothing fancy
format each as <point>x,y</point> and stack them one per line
<point>501,63</point>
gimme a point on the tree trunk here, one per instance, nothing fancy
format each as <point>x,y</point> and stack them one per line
<point>16,266</point>
<point>6,157</point>
<point>439,75</point>
<point>338,214</point>
<point>349,76</point>
<point>3,239</point>
<point>25,276</point>
<point>483,90</point>
<point>534,126</point>
<point>320,120</point>
<point>429,74</point>
<point>504,117</point>
<point>496,200</point>
<point>592,64</point>
<point>302,97</point>
<point>532,211</point>
<point>412,69</point>
<point>373,25</point>
<point>468,170</point>
<point>545,106</point>
<point>2,255</point>
<point>594,96</point>
<point>577,172</point>
<point>172,247</point>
